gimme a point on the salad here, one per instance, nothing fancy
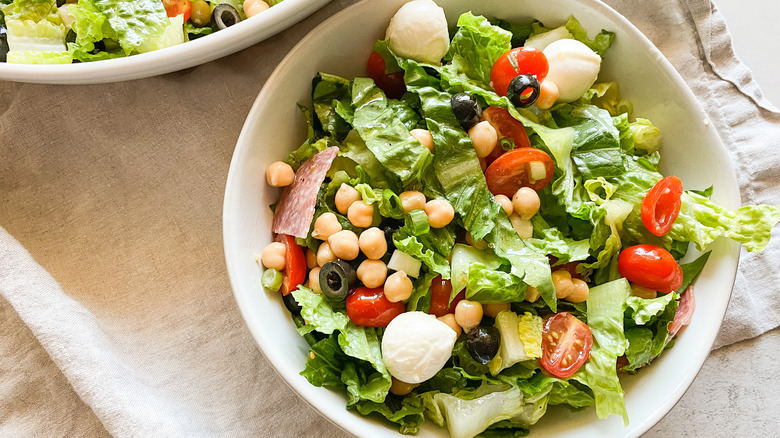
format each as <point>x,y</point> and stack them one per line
<point>478,229</point>
<point>66,31</point>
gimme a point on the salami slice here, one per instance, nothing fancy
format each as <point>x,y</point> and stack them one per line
<point>682,316</point>
<point>295,209</point>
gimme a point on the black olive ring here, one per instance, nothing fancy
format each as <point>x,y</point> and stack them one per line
<point>523,85</point>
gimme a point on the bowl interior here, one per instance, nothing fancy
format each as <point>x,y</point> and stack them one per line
<point>340,46</point>
<point>192,53</point>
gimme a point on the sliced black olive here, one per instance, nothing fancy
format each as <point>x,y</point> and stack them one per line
<point>291,304</point>
<point>483,342</point>
<point>466,109</point>
<point>70,37</point>
<point>336,279</point>
<point>523,90</point>
<point>3,43</point>
<point>60,3</point>
<point>432,72</point>
<point>390,226</point>
<point>224,16</point>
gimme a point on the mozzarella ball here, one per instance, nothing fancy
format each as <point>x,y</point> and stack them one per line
<point>574,67</point>
<point>424,137</point>
<point>274,256</point>
<point>416,345</point>
<point>419,31</point>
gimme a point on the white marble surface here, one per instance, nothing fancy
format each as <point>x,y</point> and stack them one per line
<point>736,392</point>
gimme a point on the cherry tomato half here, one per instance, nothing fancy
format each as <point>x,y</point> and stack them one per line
<point>295,265</point>
<point>662,205</point>
<point>392,84</point>
<point>650,266</point>
<point>512,170</point>
<point>178,7</point>
<point>507,127</point>
<point>440,297</point>
<point>566,344</point>
<point>521,60</point>
<point>370,307</point>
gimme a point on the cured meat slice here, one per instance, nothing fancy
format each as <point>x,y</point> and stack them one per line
<point>682,316</point>
<point>295,209</point>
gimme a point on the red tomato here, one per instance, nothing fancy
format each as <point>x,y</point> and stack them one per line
<point>507,127</point>
<point>369,307</point>
<point>521,60</point>
<point>512,170</point>
<point>440,297</point>
<point>566,344</point>
<point>295,266</point>
<point>178,7</point>
<point>650,266</point>
<point>392,84</point>
<point>662,205</point>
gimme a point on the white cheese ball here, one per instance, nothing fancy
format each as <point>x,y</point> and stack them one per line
<point>574,67</point>
<point>419,31</point>
<point>416,346</point>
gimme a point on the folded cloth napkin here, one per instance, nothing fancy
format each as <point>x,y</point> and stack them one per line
<point>135,333</point>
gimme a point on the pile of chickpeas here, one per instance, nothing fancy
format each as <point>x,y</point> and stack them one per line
<point>338,243</point>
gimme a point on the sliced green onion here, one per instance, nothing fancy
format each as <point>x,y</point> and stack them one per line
<point>272,279</point>
<point>418,222</point>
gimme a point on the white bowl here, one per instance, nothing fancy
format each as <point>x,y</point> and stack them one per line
<point>237,37</point>
<point>341,45</point>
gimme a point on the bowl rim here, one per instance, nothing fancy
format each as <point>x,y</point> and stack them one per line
<point>348,423</point>
<point>170,59</point>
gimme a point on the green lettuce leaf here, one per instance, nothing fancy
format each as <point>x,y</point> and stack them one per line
<point>488,285</point>
<point>521,340</point>
<point>364,382</point>
<point>407,412</point>
<point>139,25</point>
<point>605,319</point>
<point>35,33</point>
<point>463,256</point>
<point>479,44</point>
<point>318,312</point>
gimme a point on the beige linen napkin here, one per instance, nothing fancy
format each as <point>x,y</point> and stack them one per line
<point>116,190</point>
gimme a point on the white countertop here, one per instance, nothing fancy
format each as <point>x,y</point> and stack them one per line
<point>735,394</point>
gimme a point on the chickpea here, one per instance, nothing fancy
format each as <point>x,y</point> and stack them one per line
<point>493,309</point>
<point>424,137</point>
<point>360,214</point>
<point>412,201</point>
<point>274,256</point>
<point>563,285</point>
<point>325,226</point>
<point>279,174</point>
<point>548,94</point>
<point>398,287</point>
<point>524,227</point>
<point>314,280</point>
<point>344,245</point>
<point>478,244</point>
<point>506,204</point>
<point>402,388</point>
<point>531,294</point>
<point>201,13</point>
<point>526,202</point>
<point>311,258</point>
<point>372,273</point>
<point>484,138</point>
<point>440,212</point>
<point>579,291</point>
<point>345,196</point>
<point>468,314</point>
<point>643,292</point>
<point>373,243</point>
<point>254,7</point>
<point>325,254</point>
<point>449,319</point>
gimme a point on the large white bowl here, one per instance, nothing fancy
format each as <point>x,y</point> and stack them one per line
<point>692,150</point>
<point>237,37</point>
